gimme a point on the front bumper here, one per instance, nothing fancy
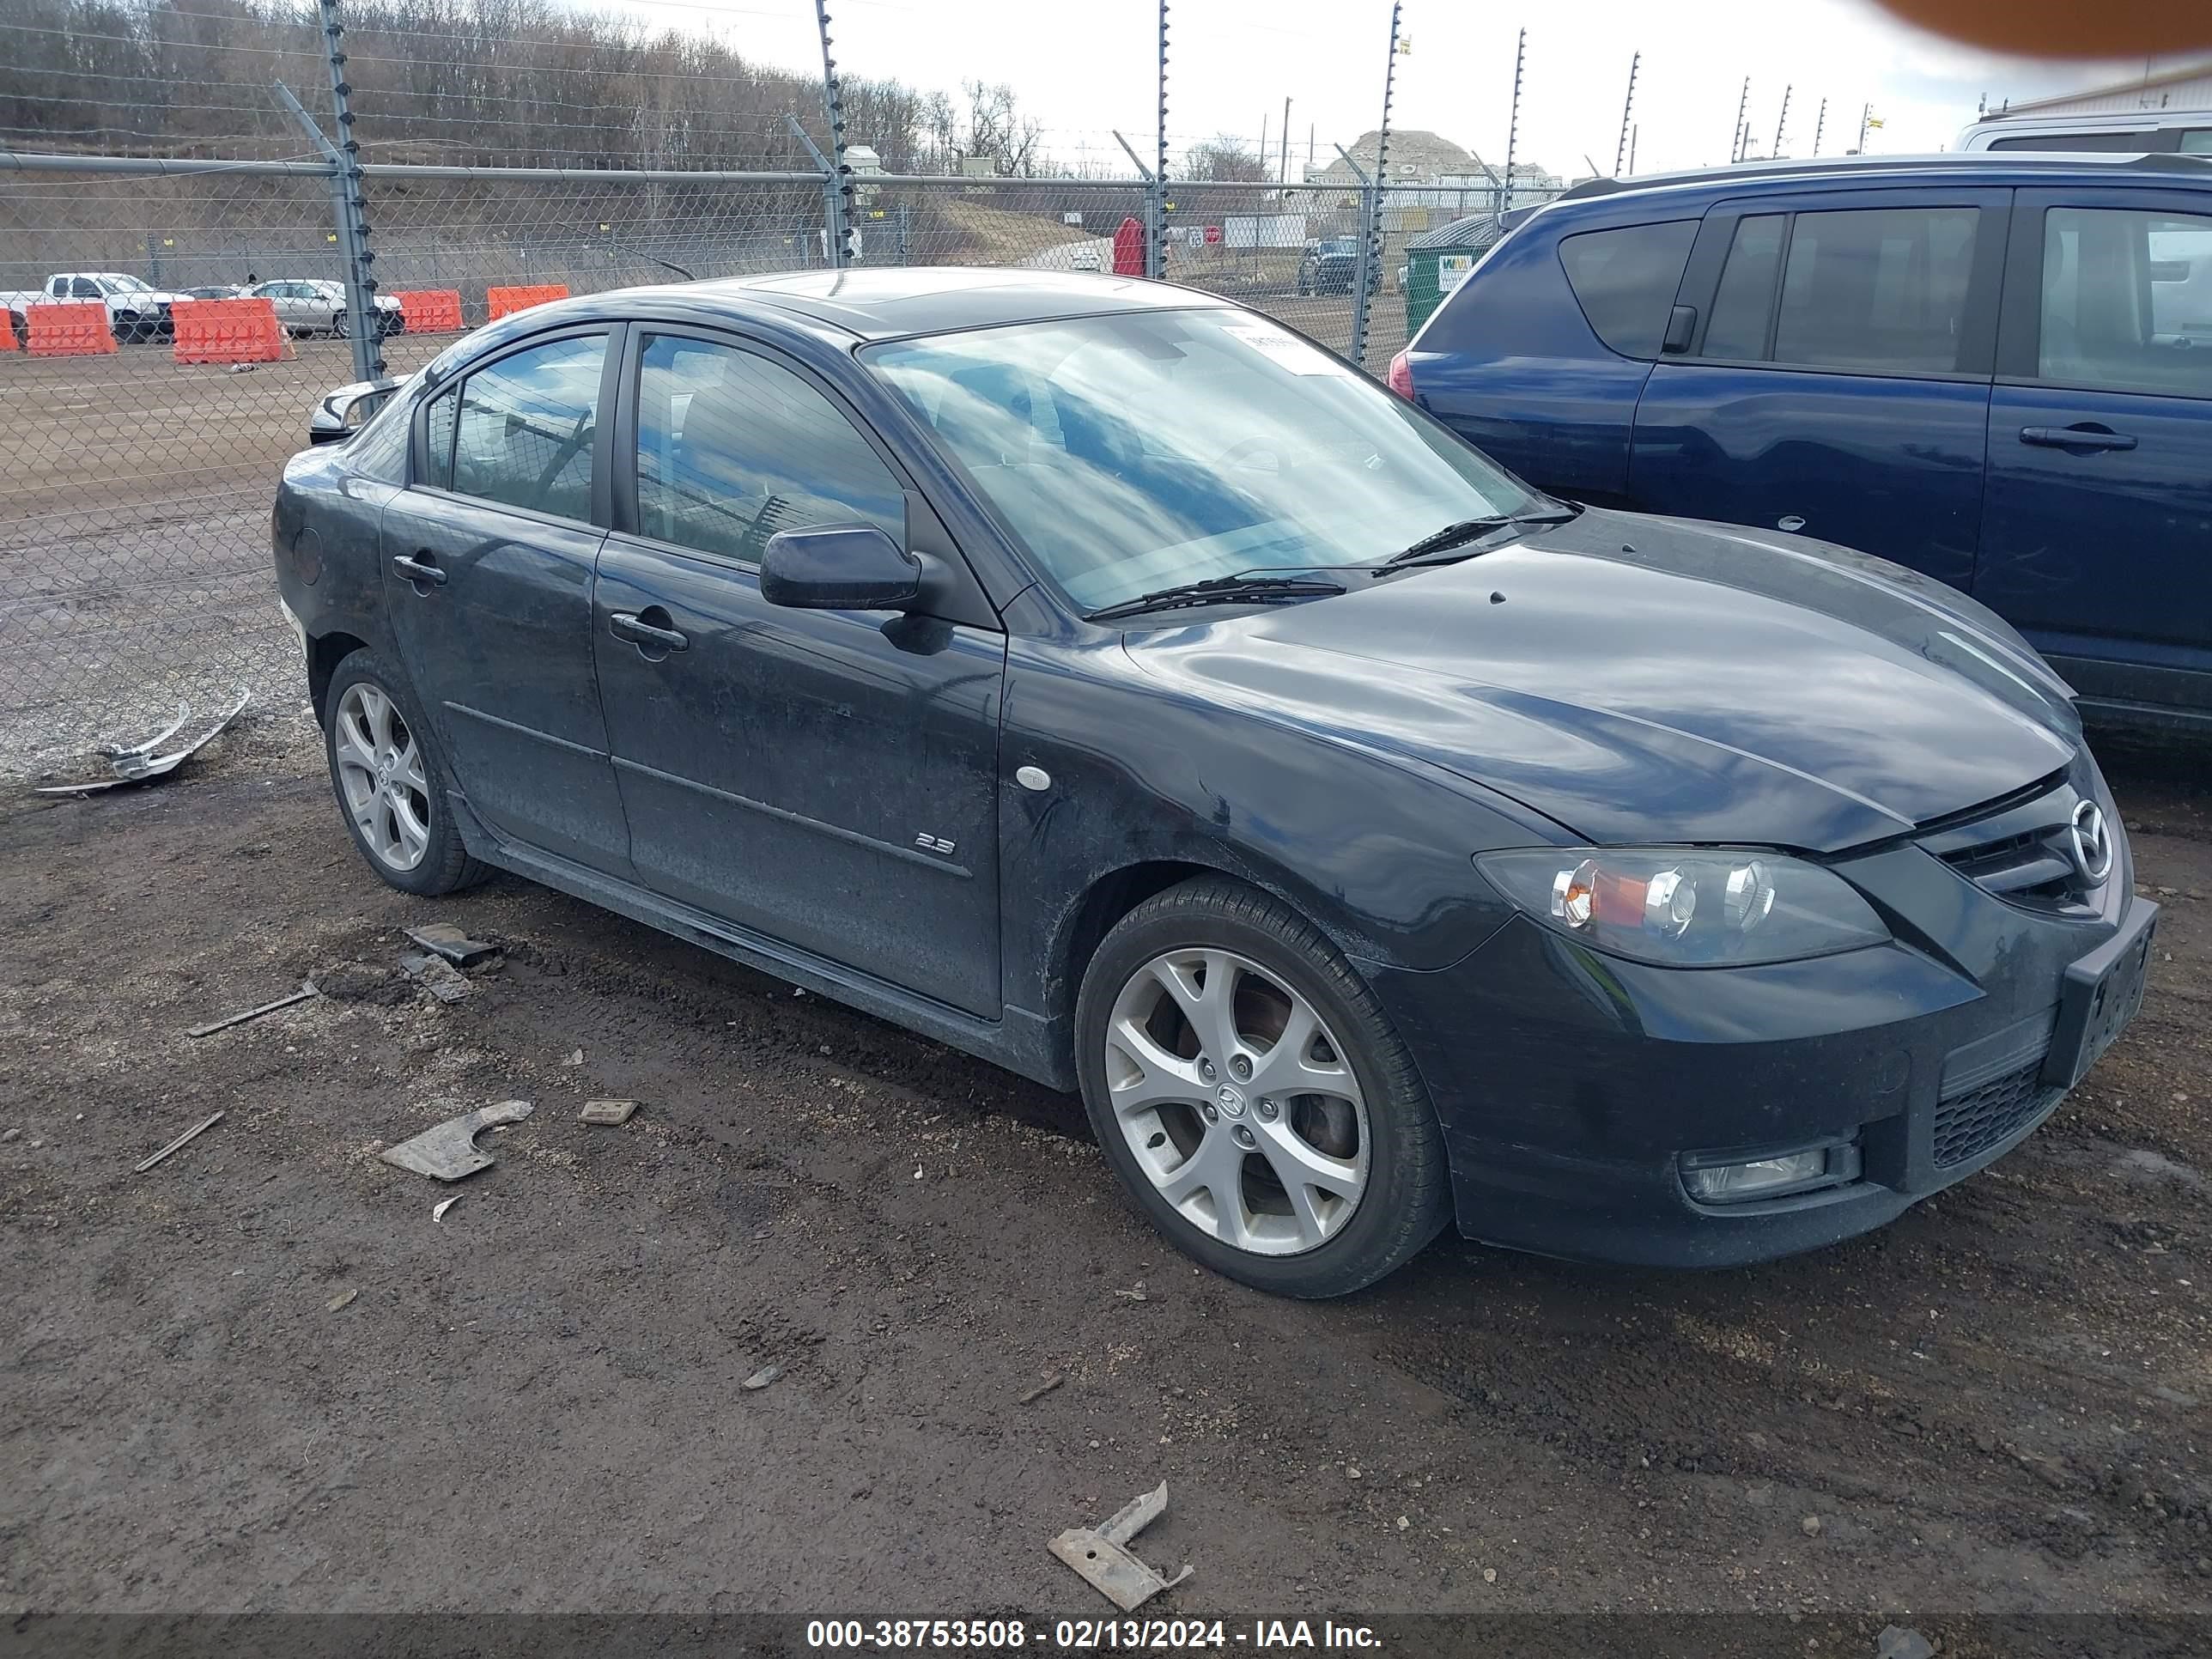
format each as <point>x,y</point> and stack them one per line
<point>1570,1084</point>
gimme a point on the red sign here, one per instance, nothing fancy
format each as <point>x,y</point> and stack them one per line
<point>1213,234</point>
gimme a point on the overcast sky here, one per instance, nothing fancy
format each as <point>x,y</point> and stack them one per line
<point>1085,67</point>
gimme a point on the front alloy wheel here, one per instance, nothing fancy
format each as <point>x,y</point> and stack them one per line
<point>382,777</point>
<point>1247,1086</point>
<point>1237,1102</point>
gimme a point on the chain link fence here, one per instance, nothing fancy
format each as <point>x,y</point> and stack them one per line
<point>134,564</point>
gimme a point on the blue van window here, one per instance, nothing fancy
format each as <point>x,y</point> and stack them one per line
<point>1745,304</point>
<point>1624,281</point>
<point>1879,290</point>
<point>2127,300</point>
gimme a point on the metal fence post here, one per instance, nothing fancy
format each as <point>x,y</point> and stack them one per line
<point>1370,239</point>
<point>368,345</point>
<point>1156,234</point>
<point>352,205</point>
<point>837,192</point>
<point>833,245</point>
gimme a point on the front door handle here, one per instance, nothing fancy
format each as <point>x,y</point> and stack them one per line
<point>2089,435</point>
<point>419,567</point>
<point>623,625</point>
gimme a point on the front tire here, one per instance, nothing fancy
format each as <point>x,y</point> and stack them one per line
<point>338,325</point>
<point>1250,1092</point>
<point>391,782</point>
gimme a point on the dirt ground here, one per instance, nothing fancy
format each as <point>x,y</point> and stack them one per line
<point>261,1377</point>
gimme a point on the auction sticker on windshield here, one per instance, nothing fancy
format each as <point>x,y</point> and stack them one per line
<point>1287,349</point>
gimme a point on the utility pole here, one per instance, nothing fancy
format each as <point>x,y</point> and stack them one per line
<point>1370,244</point>
<point>1782,121</point>
<point>1155,250</point>
<point>1742,102</point>
<point>1865,116</point>
<point>1819,122</point>
<point>1263,139</point>
<point>1631,150</point>
<point>1312,128</point>
<point>1286,168</point>
<point>1627,106</point>
<point>838,188</point>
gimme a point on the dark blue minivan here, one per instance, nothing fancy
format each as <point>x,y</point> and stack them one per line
<point>1996,369</point>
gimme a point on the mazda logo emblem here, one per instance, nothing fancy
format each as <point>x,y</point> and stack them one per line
<point>2092,842</point>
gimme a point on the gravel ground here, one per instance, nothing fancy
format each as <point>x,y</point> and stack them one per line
<point>261,1377</point>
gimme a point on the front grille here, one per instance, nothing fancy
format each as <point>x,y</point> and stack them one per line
<point>1969,1122</point>
<point>2023,851</point>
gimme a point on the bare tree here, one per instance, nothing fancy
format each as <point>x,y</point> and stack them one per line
<point>1225,159</point>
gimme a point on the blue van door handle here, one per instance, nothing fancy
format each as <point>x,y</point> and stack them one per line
<point>2084,436</point>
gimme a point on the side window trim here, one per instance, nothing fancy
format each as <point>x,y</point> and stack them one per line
<point>603,452</point>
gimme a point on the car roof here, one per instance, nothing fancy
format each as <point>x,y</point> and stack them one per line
<point>877,304</point>
<point>1998,167</point>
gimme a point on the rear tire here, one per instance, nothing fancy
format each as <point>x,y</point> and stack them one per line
<point>393,786</point>
<point>1276,1132</point>
<point>338,325</point>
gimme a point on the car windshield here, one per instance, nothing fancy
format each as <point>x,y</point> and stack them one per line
<point>1144,450</point>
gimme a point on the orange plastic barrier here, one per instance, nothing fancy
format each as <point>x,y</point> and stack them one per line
<point>505,301</point>
<point>228,331</point>
<point>433,310</point>
<point>62,330</point>
<point>7,331</point>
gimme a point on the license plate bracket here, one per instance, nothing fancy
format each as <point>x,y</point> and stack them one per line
<point>2103,992</point>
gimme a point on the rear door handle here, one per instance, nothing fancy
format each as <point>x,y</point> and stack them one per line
<point>2076,437</point>
<point>625,626</point>
<point>418,568</point>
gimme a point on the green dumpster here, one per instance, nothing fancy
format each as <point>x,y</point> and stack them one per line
<point>1437,260</point>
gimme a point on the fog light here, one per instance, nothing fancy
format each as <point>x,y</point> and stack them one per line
<point>1717,1183</point>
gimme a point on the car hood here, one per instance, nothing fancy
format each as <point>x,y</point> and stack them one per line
<point>1639,679</point>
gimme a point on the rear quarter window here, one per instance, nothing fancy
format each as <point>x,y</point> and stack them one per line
<point>1624,281</point>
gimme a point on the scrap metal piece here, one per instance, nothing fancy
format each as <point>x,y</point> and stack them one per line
<point>1101,1556</point>
<point>189,1135</point>
<point>444,940</point>
<point>438,1211</point>
<point>608,1111</point>
<point>449,1151</point>
<point>139,764</point>
<point>307,989</point>
<point>438,976</point>
<point>116,751</point>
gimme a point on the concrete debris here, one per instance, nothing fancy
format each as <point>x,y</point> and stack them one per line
<point>761,1378</point>
<point>1103,1557</point>
<point>1902,1642</point>
<point>449,1151</point>
<point>307,989</point>
<point>189,1135</point>
<point>342,1299</point>
<point>443,939</point>
<point>138,763</point>
<point>436,976</point>
<point>574,1057</point>
<point>608,1111</point>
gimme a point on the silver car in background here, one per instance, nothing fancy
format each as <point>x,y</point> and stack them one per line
<point>320,307</point>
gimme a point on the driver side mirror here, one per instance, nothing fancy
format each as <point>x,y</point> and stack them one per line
<point>840,567</point>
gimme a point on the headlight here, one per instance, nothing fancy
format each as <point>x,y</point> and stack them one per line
<point>1684,907</point>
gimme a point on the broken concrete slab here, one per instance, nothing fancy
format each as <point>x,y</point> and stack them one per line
<point>608,1111</point>
<point>436,976</point>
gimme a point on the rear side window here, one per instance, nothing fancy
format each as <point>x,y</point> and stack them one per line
<point>523,435</point>
<point>1624,281</point>
<point>2127,300</point>
<point>1876,290</point>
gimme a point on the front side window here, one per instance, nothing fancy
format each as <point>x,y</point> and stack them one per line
<point>1877,290</point>
<point>1142,450</point>
<point>1624,281</point>
<point>523,433</point>
<point>2127,300</point>
<point>733,448</point>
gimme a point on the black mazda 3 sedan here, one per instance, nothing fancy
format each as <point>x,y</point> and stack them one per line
<point>1104,680</point>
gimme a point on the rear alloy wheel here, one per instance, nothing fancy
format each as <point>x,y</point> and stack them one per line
<point>1248,1089</point>
<point>391,783</point>
<point>338,323</point>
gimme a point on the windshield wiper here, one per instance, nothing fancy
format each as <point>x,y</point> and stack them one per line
<point>1455,536</point>
<point>1250,586</point>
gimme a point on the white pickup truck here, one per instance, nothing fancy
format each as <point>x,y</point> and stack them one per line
<point>135,310</point>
